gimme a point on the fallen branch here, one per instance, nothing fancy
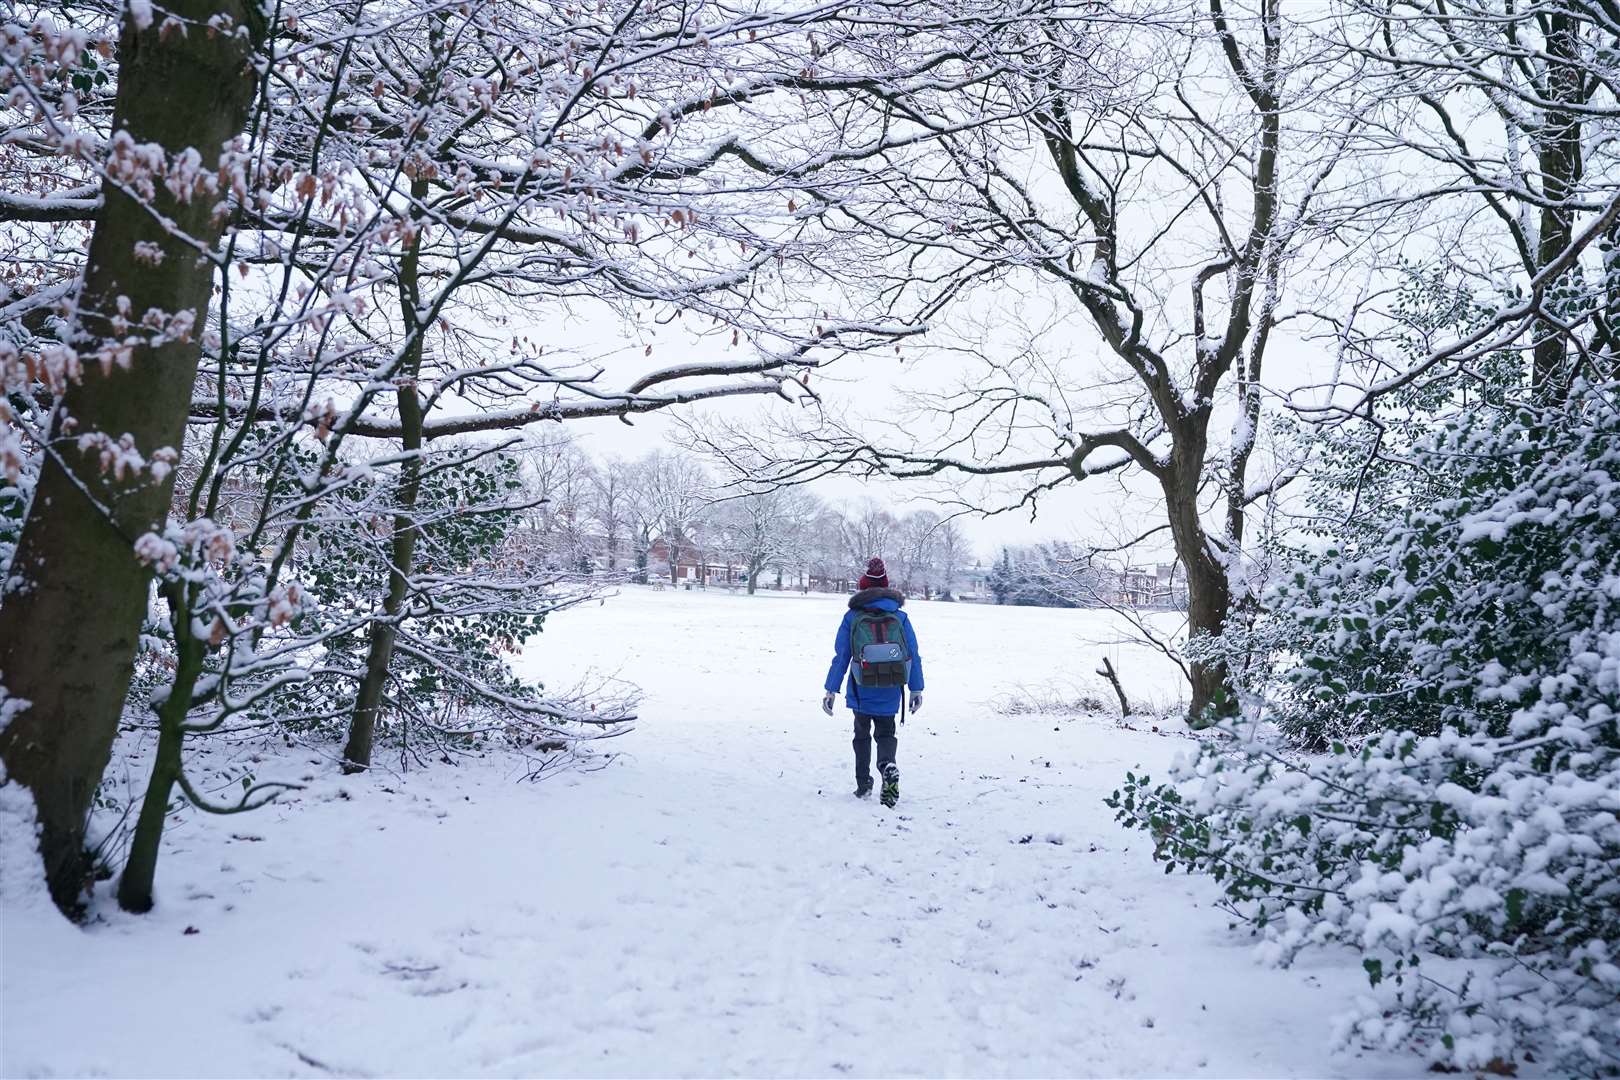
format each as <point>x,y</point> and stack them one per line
<point>1107,672</point>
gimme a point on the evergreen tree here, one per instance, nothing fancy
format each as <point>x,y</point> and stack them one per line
<point>1000,578</point>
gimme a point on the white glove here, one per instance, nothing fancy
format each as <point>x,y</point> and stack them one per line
<point>827,702</point>
<point>916,701</point>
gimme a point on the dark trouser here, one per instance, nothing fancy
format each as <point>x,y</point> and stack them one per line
<point>866,729</point>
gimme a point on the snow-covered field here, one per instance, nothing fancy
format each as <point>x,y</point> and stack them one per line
<point>712,902</point>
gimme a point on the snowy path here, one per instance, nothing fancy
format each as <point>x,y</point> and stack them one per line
<point>713,902</point>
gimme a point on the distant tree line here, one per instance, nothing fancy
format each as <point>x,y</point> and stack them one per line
<point>667,517</point>
<point>1065,574</point>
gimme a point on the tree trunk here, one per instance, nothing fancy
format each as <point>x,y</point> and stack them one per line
<point>140,870</point>
<point>1107,671</point>
<point>77,594</point>
<point>1558,154</point>
<point>380,652</point>
<point>402,553</point>
<point>1209,593</point>
<point>1209,599</point>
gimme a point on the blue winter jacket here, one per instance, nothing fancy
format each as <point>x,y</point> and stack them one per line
<point>873,700</point>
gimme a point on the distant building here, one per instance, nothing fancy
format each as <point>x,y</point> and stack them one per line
<point>972,584</point>
<point>694,565</point>
<point>1158,586</point>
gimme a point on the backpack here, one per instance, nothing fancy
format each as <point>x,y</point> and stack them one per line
<point>878,656</point>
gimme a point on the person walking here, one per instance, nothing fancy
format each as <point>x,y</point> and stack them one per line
<point>877,647</point>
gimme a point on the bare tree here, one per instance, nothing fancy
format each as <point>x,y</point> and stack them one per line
<point>562,483</point>
<point>678,492</point>
<point>954,552</point>
<point>609,508</point>
<point>121,381</point>
<point>1140,176</point>
<point>865,531</point>
<point>825,556</point>
<point>765,528</point>
<point>916,547</point>
<point>1516,203</point>
<point>641,512</point>
<point>509,193</point>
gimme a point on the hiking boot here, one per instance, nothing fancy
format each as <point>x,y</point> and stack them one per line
<point>863,789</point>
<point>891,784</point>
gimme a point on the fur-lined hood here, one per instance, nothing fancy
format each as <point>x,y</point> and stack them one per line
<point>867,597</point>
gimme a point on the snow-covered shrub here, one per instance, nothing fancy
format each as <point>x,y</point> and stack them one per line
<point>472,611</point>
<point>1464,832</point>
<point>1053,697</point>
<point>1362,479</point>
<point>450,680</point>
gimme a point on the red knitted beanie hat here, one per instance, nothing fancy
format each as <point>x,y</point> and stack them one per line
<point>877,575</point>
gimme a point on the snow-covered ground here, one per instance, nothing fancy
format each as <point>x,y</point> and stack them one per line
<point>712,902</point>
